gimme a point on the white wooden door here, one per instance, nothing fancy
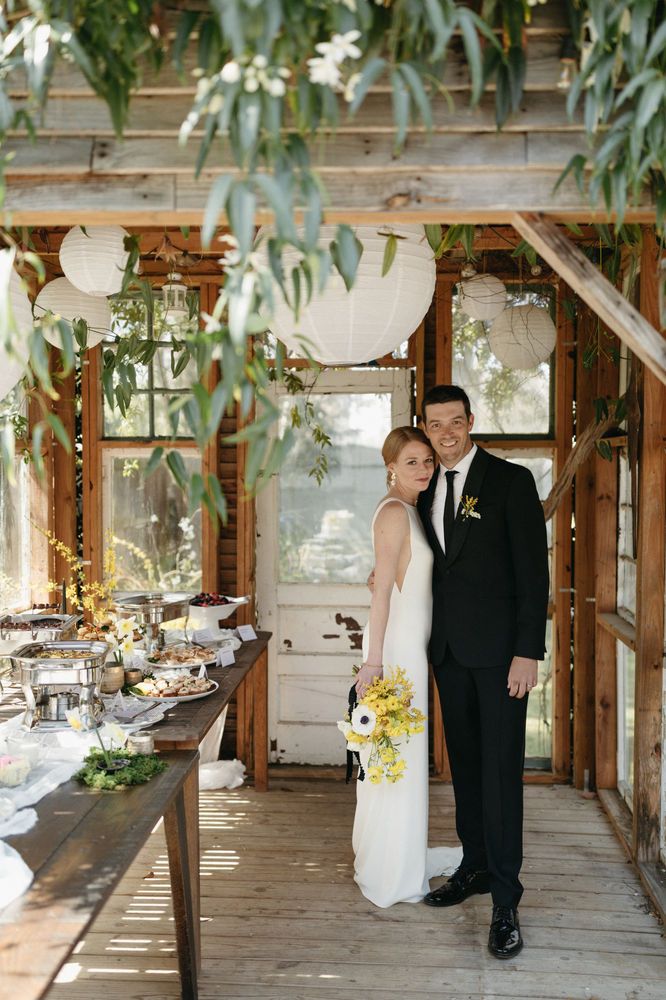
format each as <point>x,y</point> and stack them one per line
<point>314,553</point>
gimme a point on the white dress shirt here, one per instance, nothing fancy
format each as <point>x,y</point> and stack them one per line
<point>437,509</point>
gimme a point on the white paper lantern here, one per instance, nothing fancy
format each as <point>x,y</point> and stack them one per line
<point>94,261</point>
<point>523,336</point>
<point>61,298</point>
<point>12,367</point>
<point>482,297</point>
<point>377,315</point>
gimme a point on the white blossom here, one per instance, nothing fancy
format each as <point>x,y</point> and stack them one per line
<point>251,84</point>
<point>363,720</point>
<point>230,72</point>
<point>261,62</point>
<point>215,104</point>
<point>324,72</point>
<point>350,87</point>
<point>341,47</point>
<point>276,87</point>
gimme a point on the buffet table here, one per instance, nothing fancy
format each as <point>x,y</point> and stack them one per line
<point>79,849</point>
<point>184,726</point>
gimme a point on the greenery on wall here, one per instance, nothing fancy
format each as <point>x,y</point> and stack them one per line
<point>271,74</point>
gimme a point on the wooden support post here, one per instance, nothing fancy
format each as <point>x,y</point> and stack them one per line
<point>443,329</point>
<point>634,328</point>
<point>562,543</point>
<point>210,465</point>
<point>649,586</point>
<point>91,406</point>
<point>64,478</point>
<point>605,592</point>
<point>443,375</point>
<point>584,615</point>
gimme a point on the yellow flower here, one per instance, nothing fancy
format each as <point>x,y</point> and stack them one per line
<point>374,775</point>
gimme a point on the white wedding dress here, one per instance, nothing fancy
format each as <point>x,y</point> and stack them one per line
<point>390,839</point>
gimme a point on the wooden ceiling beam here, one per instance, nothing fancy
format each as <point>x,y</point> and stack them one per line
<point>590,285</point>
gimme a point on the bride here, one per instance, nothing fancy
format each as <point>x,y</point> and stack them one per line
<point>390,837</point>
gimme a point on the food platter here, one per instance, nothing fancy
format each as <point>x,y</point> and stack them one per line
<point>188,697</point>
<point>180,656</point>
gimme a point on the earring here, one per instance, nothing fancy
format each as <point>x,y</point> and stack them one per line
<point>393,479</point>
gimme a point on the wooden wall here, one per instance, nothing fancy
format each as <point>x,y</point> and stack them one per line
<point>79,171</point>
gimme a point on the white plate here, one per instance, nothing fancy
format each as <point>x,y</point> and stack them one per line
<point>186,697</point>
<point>174,665</point>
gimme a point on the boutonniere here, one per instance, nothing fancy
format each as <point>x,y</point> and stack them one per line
<point>468,505</point>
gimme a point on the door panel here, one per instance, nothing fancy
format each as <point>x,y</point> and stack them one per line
<point>314,553</point>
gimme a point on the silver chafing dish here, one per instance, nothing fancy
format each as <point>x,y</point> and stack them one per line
<point>39,626</point>
<point>151,610</point>
<point>58,676</point>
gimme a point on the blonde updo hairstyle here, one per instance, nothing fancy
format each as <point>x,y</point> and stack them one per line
<point>396,441</point>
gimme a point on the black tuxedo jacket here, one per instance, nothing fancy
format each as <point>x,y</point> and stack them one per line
<point>490,591</point>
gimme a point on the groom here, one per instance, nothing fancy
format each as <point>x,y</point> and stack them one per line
<point>485,525</point>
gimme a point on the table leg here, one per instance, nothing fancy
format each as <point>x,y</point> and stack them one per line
<point>178,823</point>
<point>260,722</point>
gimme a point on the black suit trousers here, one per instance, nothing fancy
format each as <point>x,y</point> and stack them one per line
<point>485,738</point>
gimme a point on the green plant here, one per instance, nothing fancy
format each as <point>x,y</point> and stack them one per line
<point>272,75</point>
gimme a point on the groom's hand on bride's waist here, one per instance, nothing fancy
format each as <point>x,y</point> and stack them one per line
<point>523,676</point>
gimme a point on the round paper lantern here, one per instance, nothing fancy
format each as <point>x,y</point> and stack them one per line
<point>523,336</point>
<point>94,261</point>
<point>61,298</point>
<point>378,314</point>
<point>482,297</point>
<point>13,366</point>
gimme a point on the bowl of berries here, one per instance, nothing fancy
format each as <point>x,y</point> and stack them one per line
<point>208,610</point>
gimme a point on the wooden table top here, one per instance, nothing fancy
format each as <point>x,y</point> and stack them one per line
<point>188,722</point>
<point>79,849</point>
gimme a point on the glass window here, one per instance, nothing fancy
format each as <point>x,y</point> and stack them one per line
<point>626,557</point>
<point>504,401</point>
<point>626,689</point>
<point>325,532</point>
<point>157,543</point>
<point>14,518</point>
<point>15,534</point>
<point>156,385</point>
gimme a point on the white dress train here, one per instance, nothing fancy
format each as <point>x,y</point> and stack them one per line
<point>392,860</point>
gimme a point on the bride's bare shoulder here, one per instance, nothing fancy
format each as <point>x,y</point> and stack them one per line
<point>391,514</point>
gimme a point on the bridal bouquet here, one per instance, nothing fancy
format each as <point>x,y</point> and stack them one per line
<point>379,721</point>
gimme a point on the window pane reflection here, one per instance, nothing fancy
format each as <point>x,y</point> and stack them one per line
<point>325,531</point>
<point>157,544</point>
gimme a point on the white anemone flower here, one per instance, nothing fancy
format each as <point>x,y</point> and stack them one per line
<point>363,720</point>
<point>324,72</point>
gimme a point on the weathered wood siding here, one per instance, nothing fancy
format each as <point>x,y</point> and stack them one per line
<point>78,170</point>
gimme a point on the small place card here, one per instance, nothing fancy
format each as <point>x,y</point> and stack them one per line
<point>203,635</point>
<point>246,633</point>
<point>202,671</point>
<point>225,657</point>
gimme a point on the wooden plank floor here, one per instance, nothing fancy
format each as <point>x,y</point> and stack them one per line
<point>283,920</point>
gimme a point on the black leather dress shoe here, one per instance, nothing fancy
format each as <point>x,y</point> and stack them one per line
<point>504,940</point>
<point>463,883</point>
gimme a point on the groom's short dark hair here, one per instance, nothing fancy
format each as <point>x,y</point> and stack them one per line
<point>445,394</point>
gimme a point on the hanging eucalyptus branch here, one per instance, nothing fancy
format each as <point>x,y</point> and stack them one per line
<point>272,75</point>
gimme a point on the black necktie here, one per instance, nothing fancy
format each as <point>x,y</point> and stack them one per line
<point>449,516</point>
